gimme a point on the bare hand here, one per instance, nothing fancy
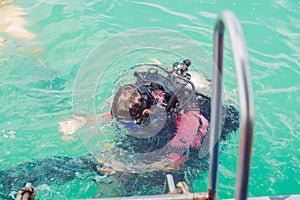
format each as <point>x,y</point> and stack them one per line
<point>72,125</point>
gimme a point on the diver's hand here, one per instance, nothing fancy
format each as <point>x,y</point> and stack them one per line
<point>72,125</point>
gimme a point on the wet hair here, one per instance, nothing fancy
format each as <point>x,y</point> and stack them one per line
<point>127,104</point>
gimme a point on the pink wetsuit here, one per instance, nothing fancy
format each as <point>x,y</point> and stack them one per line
<point>189,133</point>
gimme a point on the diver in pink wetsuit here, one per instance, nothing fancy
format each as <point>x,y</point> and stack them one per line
<point>161,115</point>
<point>158,117</point>
<point>171,103</point>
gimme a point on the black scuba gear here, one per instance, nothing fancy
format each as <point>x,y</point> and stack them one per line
<point>179,91</point>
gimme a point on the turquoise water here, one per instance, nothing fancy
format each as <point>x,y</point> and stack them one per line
<point>38,73</point>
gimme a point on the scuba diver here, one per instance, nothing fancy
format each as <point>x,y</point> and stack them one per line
<point>162,120</point>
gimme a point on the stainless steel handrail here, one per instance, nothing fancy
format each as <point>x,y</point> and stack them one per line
<point>228,19</point>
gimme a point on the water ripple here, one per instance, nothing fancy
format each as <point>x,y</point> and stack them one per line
<point>162,8</point>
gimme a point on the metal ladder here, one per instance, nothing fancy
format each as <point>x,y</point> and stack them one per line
<point>240,56</point>
<point>228,19</point>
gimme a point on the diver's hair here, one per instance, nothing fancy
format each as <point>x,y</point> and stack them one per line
<point>127,103</point>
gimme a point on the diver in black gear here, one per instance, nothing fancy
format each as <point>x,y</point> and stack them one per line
<point>187,113</point>
<point>152,94</point>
